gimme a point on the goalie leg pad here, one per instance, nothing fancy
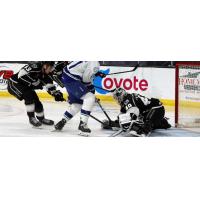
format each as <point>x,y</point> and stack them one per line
<point>162,124</point>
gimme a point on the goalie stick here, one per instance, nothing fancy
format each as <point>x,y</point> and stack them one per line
<point>117,133</point>
<point>122,131</point>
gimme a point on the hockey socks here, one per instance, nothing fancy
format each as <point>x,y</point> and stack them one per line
<point>85,115</point>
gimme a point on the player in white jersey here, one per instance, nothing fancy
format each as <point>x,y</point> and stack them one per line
<point>77,78</point>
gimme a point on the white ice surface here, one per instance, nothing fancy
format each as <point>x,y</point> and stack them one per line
<point>14,122</point>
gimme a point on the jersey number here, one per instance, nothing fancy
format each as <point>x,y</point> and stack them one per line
<point>27,68</point>
<point>129,106</point>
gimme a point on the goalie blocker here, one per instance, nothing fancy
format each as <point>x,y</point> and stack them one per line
<point>138,113</point>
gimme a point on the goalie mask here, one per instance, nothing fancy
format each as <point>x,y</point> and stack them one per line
<point>119,95</point>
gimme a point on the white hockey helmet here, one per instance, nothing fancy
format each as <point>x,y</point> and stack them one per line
<point>119,94</point>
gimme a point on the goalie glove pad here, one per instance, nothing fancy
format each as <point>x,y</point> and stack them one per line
<point>100,74</point>
<point>125,121</point>
<point>58,95</point>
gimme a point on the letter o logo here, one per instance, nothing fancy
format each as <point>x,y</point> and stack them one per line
<point>127,84</point>
<point>108,83</point>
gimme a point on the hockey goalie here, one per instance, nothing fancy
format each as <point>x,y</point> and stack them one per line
<point>139,115</point>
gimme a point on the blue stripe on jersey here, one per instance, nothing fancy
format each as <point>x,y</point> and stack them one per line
<point>74,65</point>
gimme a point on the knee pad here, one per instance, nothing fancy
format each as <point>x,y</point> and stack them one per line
<point>74,109</point>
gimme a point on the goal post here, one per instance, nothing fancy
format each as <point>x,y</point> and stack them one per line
<point>187,95</point>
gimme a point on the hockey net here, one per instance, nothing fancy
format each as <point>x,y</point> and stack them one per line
<point>187,95</point>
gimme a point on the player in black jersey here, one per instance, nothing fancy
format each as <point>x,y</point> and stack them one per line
<point>147,113</point>
<point>23,84</point>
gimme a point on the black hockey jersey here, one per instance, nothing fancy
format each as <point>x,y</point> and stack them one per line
<point>31,75</point>
<point>143,103</point>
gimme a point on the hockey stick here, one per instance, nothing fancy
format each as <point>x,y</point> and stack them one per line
<point>98,101</point>
<point>117,133</point>
<point>97,119</point>
<point>117,73</point>
<point>112,128</point>
<point>125,71</point>
<point>122,131</point>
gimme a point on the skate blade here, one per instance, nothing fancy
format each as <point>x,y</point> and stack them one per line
<point>47,124</point>
<point>37,127</point>
<point>56,131</point>
<point>84,134</point>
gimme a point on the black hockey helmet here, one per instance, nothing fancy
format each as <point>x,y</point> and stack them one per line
<point>119,94</point>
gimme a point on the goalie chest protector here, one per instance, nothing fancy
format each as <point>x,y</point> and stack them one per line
<point>141,102</point>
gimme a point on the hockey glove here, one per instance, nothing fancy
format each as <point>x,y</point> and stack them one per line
<point>102,75</point>
<point>91,88</point>
<point>97,100</point>
<point>58,96</point>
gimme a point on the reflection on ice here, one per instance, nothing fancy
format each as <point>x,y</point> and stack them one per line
<point>14,122</point>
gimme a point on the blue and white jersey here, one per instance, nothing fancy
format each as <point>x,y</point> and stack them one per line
<point>82,70</point>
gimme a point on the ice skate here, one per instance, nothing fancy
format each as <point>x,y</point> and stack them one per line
<point>35,122</point>
<point>46,121</point>
<point>84,130</point>
<point>59,126</point>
